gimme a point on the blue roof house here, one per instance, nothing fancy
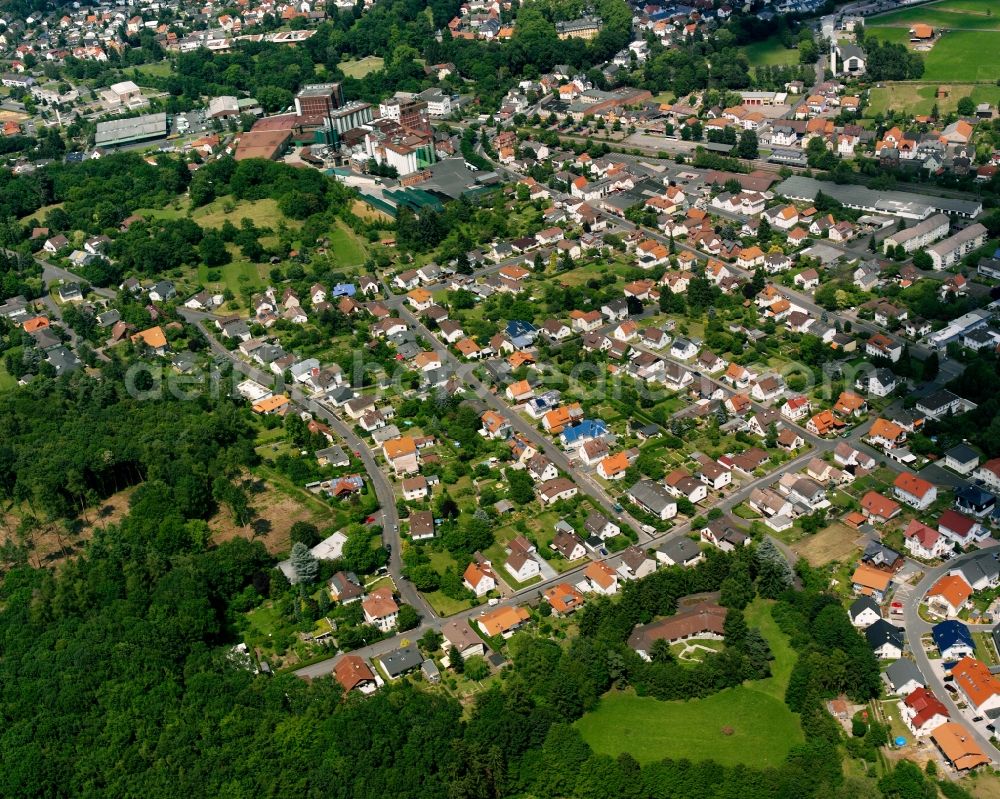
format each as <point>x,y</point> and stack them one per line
<point>953,640</point>
<point>580,434</point>
<point>521,334</point>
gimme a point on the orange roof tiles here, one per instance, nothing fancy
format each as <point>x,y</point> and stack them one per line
<point>564,598</point>
<point>912,484</point>
<point>874,504</point>
<point>501,620</point>
<point>958,745</point>
<point>952,589</point>
<point>973,677</point>
<point>871,579</point>
<point>153,337</point>
<point>398,447</point>
<point>614,464</point>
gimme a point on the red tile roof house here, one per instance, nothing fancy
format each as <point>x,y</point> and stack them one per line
<point>961,529</point>
<point>925,542</point>
<point>923,712</point>
<point>878,509</point>
<point>914,491</point>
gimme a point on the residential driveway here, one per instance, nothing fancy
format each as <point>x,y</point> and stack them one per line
<point>548,573</point>
<point>941,476</point>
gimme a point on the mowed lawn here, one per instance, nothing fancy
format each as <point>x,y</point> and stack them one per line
<point>235,275</point>
<point>770,52</point>
<point>763,729</point>
<point>920,98</point>
<point>358,69</point>
<point>949,15</point>
<point>969,50</point>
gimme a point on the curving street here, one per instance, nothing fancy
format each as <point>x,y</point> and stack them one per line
<point>916,627</point>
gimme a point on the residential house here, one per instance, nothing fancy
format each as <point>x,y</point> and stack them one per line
<point>380,609</point>
<point>869,581</point>
<point>949,595</point>
<point>601,578</point>
<point>914,490</point>
<point>885,640</point>
<point>521,562</point>
<point>555,490</point>
<point>864,612</point>
<point>925,542</point>
<point>977,684</point>
<point>958,746</point>
<point>961,529</point>
<point>479,576</point>
<point>680,551</point>
<point>635,564</point>
<point>653,498</point>
<point>904,677</point>
<point>922,712</point>
<point>401,661</point>
<point>599,526</point>
<point>953,640</point>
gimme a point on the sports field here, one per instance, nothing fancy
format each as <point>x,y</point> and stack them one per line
<point>750,724</point>
<point>969,45</point>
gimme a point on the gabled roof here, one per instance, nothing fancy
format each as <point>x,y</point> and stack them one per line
<point>953,589</point>
<point>903,671</point>
<point>871,579</point>
<point>951,632</point>
<point>912,484</point>
<point>881,632</point>
<point>925,706</point>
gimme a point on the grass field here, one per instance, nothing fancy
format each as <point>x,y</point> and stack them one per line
<point>161,69</point>
<point>41,212</point>
<point>346,248</point>
<point>950,15</point>
<point>971,26</point>
<point>763,728</point>
<point>919,98</point>
<point>949,60</point>
<point>263,213</point>
<point>770,52</point>
<point>7,381</point>
<point>358,69</point>
<point>235,276</point>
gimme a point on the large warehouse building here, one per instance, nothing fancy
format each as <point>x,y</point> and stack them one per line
<point>118,132</point>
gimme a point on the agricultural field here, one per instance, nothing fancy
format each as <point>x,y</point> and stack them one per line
<point>746,725</point>
<point>770,52</point>
<point>365,66</point>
